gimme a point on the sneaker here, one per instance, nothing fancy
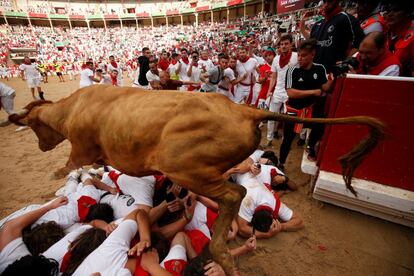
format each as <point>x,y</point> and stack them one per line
<point>41,95</point>
<point>300,142</point>
<point>75,174</point>
<point>98,171</point>
<point>268,144</point>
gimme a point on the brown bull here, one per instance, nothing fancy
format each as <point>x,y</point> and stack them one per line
<point>192,138</point>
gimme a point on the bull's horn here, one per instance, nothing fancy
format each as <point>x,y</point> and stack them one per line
<point>22,112</point>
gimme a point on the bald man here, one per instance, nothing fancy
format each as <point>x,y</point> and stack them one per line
<point>166,83</point>
<point>374,58</point>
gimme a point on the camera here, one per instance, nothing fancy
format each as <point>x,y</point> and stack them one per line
<point>343,67</point>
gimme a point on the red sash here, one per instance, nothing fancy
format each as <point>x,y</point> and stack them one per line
<point>211,218</point>
<point>139,271</point>
<point>84,204</point>
<point>301,113</point>
<point>198,240</point>
<point>113,175</point>
<point>192,87</point>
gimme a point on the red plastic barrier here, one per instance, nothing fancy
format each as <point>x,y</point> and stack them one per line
<point>392,101</point>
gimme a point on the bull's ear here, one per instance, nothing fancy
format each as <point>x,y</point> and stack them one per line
<point>19,118</point>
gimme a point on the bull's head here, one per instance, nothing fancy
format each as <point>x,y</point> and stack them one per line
<point>30,116</point>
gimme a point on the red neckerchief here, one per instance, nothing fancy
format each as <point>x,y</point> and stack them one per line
<point>163,64</point>
<point>332,14</point>
<point>195,65</point>
<point>204,59</point>
<point>173,62</point>
<point>245,60</point>
<point>65,261</point>
<point>284,59</point>
<point>27,63</point>
<point>113,63</point>
<point>186,61</point>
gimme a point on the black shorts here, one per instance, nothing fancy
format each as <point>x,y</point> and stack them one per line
<point>58,74</point>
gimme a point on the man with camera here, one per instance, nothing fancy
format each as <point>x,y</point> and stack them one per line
<point>374,58</point>
<point>306,85</point>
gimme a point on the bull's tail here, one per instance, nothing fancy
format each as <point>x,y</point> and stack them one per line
<point>351,160</point>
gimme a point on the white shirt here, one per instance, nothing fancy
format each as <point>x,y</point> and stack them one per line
<point>228,78</point>
<point>184,69</point>
<point>121,204</point>
<point>30,71</point>
<point>67,215</point>
<point>13,251</point>
<point>84,78</point>
<point>199,220</point>
<point>195,73</point>
<point>280,94</point>
<point>257,194</point>
<point>111,256</point>
<point>247,67</point>
<point>140,188</point>
<point>5,90</point>
<point>264,177</point>
<point>152,77</point>
<point>119,70</point>
<point>256,155</point>
<point>207,64</point>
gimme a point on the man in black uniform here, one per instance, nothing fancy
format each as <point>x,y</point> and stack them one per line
<point>338,36</point>
<point>143,62</point>
<point>306,84</point>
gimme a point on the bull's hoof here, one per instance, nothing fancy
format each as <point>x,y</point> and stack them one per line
<point>60,173</point>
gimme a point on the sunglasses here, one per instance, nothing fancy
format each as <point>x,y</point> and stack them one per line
<point>195,56</point>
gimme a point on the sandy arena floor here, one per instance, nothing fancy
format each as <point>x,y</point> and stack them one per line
<point>335,241</point>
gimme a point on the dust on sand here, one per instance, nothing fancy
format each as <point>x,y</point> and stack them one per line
<point>335,241</point>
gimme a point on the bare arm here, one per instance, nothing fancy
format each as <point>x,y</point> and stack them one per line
<point>298,94</point>
<point>94,79</point>
<point>272,84</point>
<point>156,213</point>
<point>247,247</point>
<point>191,82</point>
<point>239,80</point>
<point>294,224</point>
<point>102,186</point>
<point>13,228</point>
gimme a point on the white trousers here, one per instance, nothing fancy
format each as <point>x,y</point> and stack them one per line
<point>278,107</point>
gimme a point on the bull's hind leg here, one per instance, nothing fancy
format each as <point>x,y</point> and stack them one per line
<point>229,201</point>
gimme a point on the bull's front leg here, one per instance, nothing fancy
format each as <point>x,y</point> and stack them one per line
<point>229,203</point>
<point>80,155</point>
